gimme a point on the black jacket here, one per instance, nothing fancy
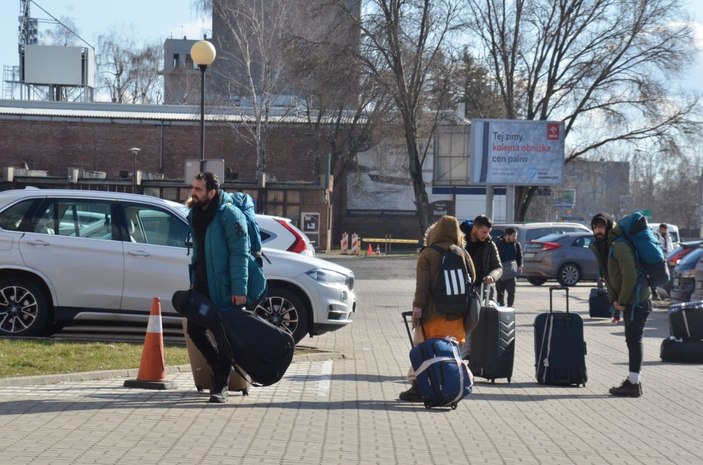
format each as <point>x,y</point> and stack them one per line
<point>509,251</point>
<point>485,257</point>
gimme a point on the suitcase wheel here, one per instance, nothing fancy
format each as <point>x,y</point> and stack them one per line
<point>509,380</point>
<point>199,388</point>
<point>493,381</point>
<point>453,406</point>
<point>245,392</point>
<point>428,405</point>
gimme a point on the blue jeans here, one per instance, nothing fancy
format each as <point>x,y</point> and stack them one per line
<point>635,318</point>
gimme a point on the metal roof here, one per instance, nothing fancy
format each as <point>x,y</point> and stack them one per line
<point>23,109</point>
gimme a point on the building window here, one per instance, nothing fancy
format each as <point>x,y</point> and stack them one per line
<point>176,59</point>
<point>284,203</point>
<point>189,61</point>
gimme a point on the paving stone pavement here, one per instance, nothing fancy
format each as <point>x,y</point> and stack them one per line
<point>345,410</point>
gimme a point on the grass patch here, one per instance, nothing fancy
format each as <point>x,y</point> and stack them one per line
<point>28,357</point>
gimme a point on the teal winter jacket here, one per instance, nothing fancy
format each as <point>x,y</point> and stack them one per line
<point>226,252</point>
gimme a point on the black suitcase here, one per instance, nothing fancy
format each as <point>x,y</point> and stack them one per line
<point>262,350</point>
<point>492,343</point>
<point>598,303</point>
<point>560,349</point>
<point>686,320</point>
<point>681,350</point>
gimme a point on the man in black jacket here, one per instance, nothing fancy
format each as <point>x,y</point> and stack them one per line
<point>511,260</point>
<point>484,254</point>
<point>483,250</point>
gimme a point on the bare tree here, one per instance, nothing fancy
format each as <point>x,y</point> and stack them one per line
<point>402,44</point>
<point>249,71</point>
<point>64,33</point>
<point>128,73</point>
<point>601,66</point>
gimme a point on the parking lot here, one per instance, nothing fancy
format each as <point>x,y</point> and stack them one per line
<point>343,408</point>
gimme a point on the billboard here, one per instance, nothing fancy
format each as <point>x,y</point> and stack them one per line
<point>517,152</point>
<point>55,65</point>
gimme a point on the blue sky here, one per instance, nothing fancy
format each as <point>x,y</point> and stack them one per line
<point>149,19</point>
<point>161,19</point>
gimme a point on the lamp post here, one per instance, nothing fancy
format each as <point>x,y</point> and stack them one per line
<point>134,151</point>
<point>203,54</point>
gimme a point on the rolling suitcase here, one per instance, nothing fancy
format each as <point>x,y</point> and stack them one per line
<point>441,374</point>
<point>598,303</point>
<point>492,343</point>
<point>560,349</point>
<point>202,373</point>
<point>686,320</point>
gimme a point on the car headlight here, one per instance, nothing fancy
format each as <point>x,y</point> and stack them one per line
<point>328,276</point>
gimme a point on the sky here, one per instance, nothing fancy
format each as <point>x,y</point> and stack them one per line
<point>162,19</point>
<point>150,20</point>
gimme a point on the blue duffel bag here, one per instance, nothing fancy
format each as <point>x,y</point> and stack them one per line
<point>441,374</point>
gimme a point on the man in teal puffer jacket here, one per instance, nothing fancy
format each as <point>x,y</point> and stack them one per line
<point>219,266</point>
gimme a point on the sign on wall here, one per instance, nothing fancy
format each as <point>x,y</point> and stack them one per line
<point>517,152</point>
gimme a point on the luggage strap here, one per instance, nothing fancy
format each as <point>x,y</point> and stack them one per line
<point>546,336</point>
<point>685,322</point>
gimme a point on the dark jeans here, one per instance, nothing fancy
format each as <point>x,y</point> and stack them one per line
<point>635,318</point>
<point>503,286</point>
<point>219,364</point>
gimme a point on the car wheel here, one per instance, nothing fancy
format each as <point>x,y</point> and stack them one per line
<point>284,308</point>
<point>569,274</point>
<point>23,308</point>
<point>536,281</point>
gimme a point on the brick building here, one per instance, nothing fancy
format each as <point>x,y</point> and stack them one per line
<point>50,137</point>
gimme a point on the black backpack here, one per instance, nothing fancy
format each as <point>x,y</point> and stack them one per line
<point>452,287</point>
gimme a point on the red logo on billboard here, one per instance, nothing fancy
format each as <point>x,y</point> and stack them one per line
<point>553,131</point>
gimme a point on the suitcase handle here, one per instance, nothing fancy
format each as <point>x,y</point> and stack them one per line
<point>551,297</point>
<point>407,326</point>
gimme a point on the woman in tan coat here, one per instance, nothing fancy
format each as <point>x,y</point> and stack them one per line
<point>445,233</point>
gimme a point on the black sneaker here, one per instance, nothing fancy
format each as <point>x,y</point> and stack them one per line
<point>411,395</point>
<point>220,385</point>
<point>627,389</point>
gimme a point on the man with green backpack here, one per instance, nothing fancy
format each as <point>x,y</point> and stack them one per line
<point>622,259</point>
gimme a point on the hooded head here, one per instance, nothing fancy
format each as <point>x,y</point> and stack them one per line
<point>601,224</point>
<point>446,230</point>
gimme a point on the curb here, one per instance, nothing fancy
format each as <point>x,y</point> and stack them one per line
<point>40,380</point>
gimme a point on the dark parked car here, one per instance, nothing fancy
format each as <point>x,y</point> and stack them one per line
<point>684,276</point>
<point>673,259</point>
<point>565,257</point>
<point>698,290</point>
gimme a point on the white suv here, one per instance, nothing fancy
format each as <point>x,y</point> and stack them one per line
<point>92,255</point>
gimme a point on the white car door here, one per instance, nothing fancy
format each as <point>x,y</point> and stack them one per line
<point>72,246</point>
<point>156,259</point>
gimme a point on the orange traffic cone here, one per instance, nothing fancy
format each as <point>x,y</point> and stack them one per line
<point>378,249</point>
<point>370,251</point>
<point>152,368</point>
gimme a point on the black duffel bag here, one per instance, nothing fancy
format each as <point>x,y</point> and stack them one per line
<point>264,351</point>
<point>681,350</point>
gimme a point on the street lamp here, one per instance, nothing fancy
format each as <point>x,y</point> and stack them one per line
<point>203,54</point>
<point>134,151</point>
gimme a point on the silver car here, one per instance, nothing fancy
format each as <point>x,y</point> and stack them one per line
<point>90,255</point>
<point>565,257</point>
